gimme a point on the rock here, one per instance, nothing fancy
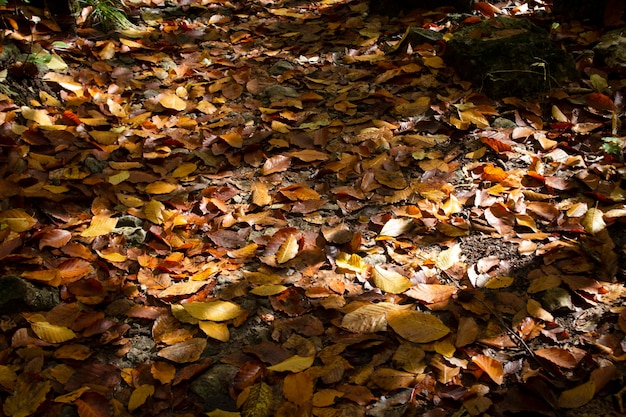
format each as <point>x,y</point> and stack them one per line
<point>18,295</point>
<point>506,57</point>
<point>213,386</point>
<point>611,50</point>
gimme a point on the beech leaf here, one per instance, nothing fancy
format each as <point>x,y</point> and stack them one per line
<point>139,396</point>
<point>593,222</point>
<point>217,310</point>
<point>294,364</point>
<point>288,250</point>
<point>492,367</point>
<point>416,326</point>
<point>184,352</point>
<point>390,281</point>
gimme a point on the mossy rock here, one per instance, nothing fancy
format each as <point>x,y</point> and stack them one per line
<point>509,57</point>
<point>611,50</point>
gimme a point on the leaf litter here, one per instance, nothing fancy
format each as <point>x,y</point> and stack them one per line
<point>255,209</point>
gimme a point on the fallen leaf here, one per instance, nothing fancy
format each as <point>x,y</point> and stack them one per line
<point>217,310</point>
<point>184,352</point>
<point>293,364</point>
<point>416,326</point>
<point>492,367</point>
<point>139,396</point>
<point>390,281</point>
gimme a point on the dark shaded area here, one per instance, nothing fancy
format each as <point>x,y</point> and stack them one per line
<point>506,57</point>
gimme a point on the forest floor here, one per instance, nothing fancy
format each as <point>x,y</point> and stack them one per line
<point>261,208</point>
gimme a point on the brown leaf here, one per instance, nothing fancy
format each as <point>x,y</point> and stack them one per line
<point>559,356</point>
<point>55,238</point>
<point>278,163</point>
<point>184,352</point>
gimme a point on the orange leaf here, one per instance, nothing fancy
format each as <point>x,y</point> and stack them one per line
<point>600,101</point>
<point>298,388</point>
<point>492,367</point>
<point>234,139</point>
<point>496,144</point>
<point>101,224</point>
<point>260,194</point>
<point>163,372</point>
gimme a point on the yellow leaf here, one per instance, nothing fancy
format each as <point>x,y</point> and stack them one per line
<point>396,227</point>
<point>153,210</point>
<point>139,396</point>
<point>288,250</point>
<point>474,116</point>
<point>535,309</point>
<point>172,101</point>
<point>593,221</point>
<point>499,281</point>
<point>112,257</point>
<point>256,400</point>
<point>213,310</point>
<point>266,290</point>
<point>17,220</point>
<point>182,288</point>
<point>70,397</point>
<point>410,358</point>
<point>7,377</point>
<point>350,262</point>
<point>578,396</point>
<point>116,108</point>
<point>217,331</point>
<point>184,170</point>
<point>293,364</point>
<point>52,333</point>
<point>100,225</point>
<point>27,397</point>
<point>160,187</point>
<point>38,116</point>
<point>390,281</point>
<point>119,178</point>
<point>416,326</point>
<point>447,258</point>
